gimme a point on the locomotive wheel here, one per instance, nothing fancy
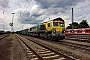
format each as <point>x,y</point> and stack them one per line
<point>51,38</point>
<point>43,37</point>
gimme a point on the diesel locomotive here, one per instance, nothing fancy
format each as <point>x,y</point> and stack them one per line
<point>53,29</point>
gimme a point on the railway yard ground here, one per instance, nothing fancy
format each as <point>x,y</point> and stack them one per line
<point>20,47</point>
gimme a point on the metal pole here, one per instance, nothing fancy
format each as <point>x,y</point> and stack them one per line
<point>3,27</point>
<point>12,22</point>
<point>72,18</point>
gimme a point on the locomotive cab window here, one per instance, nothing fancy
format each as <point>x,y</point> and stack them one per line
<point>55,23</point>
<point>49,24</point>
<point>61,24</point>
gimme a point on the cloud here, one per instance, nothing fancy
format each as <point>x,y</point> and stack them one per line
<point>57,3</point>
<point>25,17</point>
<point>45,9</point>
<point>2,26</point>
<point>55,8</point>
<point>81,11</point>
<point>4,4</point>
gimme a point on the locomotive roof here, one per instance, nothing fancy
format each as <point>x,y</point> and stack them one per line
<point>55,19</point>
<point>58,19</point>
<point>48,21</point>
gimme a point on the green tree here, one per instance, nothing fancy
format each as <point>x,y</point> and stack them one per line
<point>69,27</point>
<point>75,25</point>
<point>83,24</point>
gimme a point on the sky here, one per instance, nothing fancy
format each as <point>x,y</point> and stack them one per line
<point>29,13</point>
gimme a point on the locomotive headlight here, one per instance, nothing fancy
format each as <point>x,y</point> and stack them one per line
<point>54,31</point>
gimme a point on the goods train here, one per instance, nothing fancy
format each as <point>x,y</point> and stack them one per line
<point>53,29</point>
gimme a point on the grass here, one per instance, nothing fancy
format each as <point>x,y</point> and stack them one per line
<point>11,35</point>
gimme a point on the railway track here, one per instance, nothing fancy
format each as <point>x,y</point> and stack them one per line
<point>4,36</point>
<point>80,38</point>
<point>81,47</point>
<point>41,52</point>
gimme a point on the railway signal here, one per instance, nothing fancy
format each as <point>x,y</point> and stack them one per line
<point>11,24</point>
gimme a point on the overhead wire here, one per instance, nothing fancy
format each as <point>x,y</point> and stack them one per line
<point>25,9</point>
<point>24,6</point>
<point>49,4</point>
<point>3,21</point>
<point>53,7</point>
<point>46,6</point>
<point>22,1</point>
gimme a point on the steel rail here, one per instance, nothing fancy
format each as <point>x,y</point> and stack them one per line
<point>40,57</point>
<point>3,37</point>
<point>80,46</point>
<point>66,56</point>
